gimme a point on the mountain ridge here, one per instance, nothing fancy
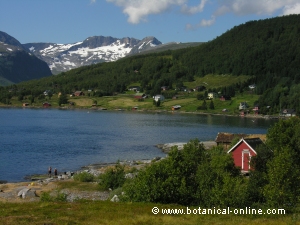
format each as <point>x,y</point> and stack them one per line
<point>92,50</point>
<point>17,64</point>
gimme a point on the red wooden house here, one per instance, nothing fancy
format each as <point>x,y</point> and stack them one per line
<point>243,151</point>
<point>46,104</point>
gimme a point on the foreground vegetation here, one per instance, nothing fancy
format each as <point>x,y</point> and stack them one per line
<point>185,180</point>
<point>95,213</point>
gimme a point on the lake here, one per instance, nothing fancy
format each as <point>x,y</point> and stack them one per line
<point>33,139</point>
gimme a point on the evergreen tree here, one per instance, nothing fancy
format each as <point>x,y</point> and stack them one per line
<point>211,105</point>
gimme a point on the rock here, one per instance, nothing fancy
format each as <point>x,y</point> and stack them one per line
<point>130,175</point>
<point>115,199</point>
<point>23,192</point>
<point>64,176</point>
<point>166,148</point>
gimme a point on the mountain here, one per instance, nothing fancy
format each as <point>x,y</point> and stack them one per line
<point>64,57</point>
<point>17,64</point>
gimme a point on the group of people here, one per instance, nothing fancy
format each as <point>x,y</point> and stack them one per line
<point>50,171</point>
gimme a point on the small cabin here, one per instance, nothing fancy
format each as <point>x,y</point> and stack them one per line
<point>212,95</point>
<point>159,97</point>
<point>243,151</point>
<point>139,96</point>
<point>288,112</point>
<point>78,93</point>
<point>46,104</point>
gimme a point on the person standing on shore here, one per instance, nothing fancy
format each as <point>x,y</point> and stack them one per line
<point>49,171</point>
<point>55,172</point>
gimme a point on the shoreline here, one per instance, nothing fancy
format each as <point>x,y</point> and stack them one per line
<point>146,110</point>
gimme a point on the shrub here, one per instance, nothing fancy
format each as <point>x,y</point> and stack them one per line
<point>60,197</point>
<point>113,177</point>
<point>84,177</point>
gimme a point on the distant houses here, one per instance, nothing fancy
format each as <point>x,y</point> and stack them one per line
<point>158,98</point>
<point>288,112</point>
<point>78,93</point>
<point>46,104</point>
<point>134,88</point>
<point>212,95</point>
<point>243,106</point>
<point>140,96</point>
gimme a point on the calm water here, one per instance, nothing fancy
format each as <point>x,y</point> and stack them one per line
<point>31,140</point>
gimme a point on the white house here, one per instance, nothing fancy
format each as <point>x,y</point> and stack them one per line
<point>212,95</point>
<point>158,97</point>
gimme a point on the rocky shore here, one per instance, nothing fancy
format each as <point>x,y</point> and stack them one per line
<point>32,189</point>
<point>166,148</point>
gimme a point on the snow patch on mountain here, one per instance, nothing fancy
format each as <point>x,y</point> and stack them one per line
<point>63,57</point>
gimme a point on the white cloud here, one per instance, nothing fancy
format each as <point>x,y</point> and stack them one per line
<point>203,23</point>
<point>248,7</point>
<point>93,1</point>
<point>138,10</point>
<point>258,7</point>
<point>194,9</point>
<point>291,9</point>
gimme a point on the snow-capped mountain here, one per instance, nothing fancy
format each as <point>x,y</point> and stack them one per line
<point>63,57</point>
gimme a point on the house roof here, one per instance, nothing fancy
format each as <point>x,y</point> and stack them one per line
<point>288,111</point>
<point>251,142</point>
<point>228,137</point>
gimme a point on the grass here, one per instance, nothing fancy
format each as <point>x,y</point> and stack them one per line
<point>77,185</point>
<point>106,212</point>
<point>188,101</point>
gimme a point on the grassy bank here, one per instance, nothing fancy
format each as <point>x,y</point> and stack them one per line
<point>89,212</point>
<point>126,101</point>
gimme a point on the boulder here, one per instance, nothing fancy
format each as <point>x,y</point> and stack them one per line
<point>23,192</point>
<point>115,199</point>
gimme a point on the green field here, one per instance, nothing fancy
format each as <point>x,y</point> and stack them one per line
<point>187,101</point>
<point>106,212</point>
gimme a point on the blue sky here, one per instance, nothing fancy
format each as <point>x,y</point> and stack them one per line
<point>70,21</point>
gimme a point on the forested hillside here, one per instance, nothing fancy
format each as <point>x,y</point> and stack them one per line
<point>268,50</point>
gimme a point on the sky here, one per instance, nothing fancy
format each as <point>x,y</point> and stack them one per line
<point>71,21</point>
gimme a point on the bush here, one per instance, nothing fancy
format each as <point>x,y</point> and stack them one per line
<point>60,197</point>
<point>113,178</point>
<point>84,177</point>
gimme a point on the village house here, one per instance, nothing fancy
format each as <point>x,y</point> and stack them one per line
<point>78,93</point>
<point>243,106</point>
<point>255,110</point>
<point>134,88</point>
<point>243,151</point>
<point>46,104</point>
<point>159,97</point>
<point>288,112</point>
<point>225,97</point>
<point>140,96</point>
<point>212,95</point>
<point>164,88</point>
<point>199,88</point>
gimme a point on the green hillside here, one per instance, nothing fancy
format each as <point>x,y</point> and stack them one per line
<point>266,51</point>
